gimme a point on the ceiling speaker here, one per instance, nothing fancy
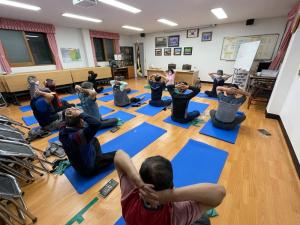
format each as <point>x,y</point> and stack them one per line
<point>250,22</point>
<point>143,35</point>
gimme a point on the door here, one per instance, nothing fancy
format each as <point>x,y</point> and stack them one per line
<point>139,59</point>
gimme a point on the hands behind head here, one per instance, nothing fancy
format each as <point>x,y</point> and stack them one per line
<point>148,194</point>
<point>182,86</point>
<point>73,112</point>
<point>78,88</point>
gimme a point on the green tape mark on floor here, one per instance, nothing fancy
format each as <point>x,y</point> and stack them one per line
<point>79,216</point>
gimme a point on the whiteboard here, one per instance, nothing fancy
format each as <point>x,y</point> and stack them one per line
<point>246,55</point>
<point>265,52</point>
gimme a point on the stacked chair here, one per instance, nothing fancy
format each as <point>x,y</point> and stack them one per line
<point>18,160</point>
<point>12,206</point>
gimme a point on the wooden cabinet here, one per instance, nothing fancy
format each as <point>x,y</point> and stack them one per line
<point>131,73</point>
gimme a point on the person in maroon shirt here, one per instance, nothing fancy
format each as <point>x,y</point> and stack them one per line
<point>148,197</point>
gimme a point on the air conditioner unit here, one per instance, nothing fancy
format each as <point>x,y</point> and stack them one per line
<point>85,3</point>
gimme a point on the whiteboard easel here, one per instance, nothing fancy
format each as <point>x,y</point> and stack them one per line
<point>243,63</point>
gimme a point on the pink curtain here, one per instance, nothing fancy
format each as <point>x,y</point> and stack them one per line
<point>3,61</point>
<point>106,35</point>
<point>10,24</point>
<point>285,39</point>
<point>49,29</point>
<point>54,49</point>
<point>94,51</point>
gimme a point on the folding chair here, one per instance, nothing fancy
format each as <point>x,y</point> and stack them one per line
<point>17,157</point>
<point>11,135</point>
<point>10,193</point>
<point>8,121</point>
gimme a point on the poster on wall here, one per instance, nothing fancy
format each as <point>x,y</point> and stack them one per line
<point>167,51</point>
<point>188,50</point>
<point>173,41</point>
<point>160,42</point>
<point>70,54</point>
<point>177,51</point>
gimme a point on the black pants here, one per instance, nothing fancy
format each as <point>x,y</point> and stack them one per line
<point>190,117</point>
<point>108,123</point>
<point>226,126</point>
<point>160,103</point>
<point>213,92</point>
<point>102,160</point>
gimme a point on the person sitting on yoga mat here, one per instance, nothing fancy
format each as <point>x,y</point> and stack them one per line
<point>80,144</point>
<point>227,116</point>
<point>219,79</point>
<point>181,101</point>
<point>57,103</point>
<point>157,87</point>
<point>120,92</point>
<point>92,78</point>
<point>149,197</point>
<point>171,77</point>
<point>88,102</point>
<point>44,112</point>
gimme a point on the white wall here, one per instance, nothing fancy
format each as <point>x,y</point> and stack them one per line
<point>70,38</point>
<point>206,55</point>
<point>285,97</point>
<point>126,40</point>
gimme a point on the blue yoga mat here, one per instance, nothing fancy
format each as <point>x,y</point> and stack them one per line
<point>107,98</point>
<point>147,96</point>
<point>203,95</point>
<point>70,98</point>
<point>124,116</point>
<point>201,107</point>
<point>106,90</point>
<point>29,120</point>
<point>25,108</point>
<point>150,110</point>
<point>224,135</point>
<point>132,142</point>
<point>104,110</point>
<point>206,160</point>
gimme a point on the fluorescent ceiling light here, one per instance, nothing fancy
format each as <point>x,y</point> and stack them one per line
<point>168,22</point>
<point>132,28</point>
<point>219,13</point>
<point>70,15</point>
<point>121,5</point>
<point>20,5</point>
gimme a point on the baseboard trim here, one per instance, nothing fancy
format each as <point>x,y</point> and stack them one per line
<point>206,82</point>
<point>272,116</point>
<point>287,140</point>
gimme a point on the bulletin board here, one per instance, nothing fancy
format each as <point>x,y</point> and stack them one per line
<point>266,49</point>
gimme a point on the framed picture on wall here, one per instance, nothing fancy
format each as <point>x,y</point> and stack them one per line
<point>160,42</point>
<point>206,36</point>
<point>173,41</point>
<point>158,52</point>
<point>188,51</point>
<point>167,51</point>
<point>192,33</point>
<point>177,51</point>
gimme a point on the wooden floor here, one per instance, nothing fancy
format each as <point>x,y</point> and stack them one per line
<point>261,182</point>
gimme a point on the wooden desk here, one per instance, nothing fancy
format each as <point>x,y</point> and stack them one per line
<point>81,74</point>
<point>18,82</point>
<point>187,76</point>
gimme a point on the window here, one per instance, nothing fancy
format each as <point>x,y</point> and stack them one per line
<point>104,49</point>
<point>26,48</point>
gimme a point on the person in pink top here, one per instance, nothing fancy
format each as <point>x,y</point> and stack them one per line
<point>148,197</point>
<point>170,77</point>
